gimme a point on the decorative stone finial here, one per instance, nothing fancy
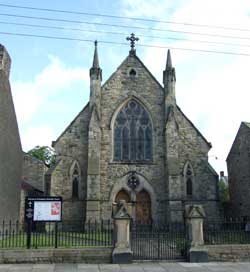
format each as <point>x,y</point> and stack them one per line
<point>96,59</point>
<point>169,60</point>
<point>132,40</point>
<point>95,70</point>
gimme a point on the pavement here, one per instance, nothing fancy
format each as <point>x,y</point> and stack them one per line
<point>135,267</point>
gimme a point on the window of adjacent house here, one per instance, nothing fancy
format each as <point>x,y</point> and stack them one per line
<point>75,182</point>
<point>133,134</point>
<point>189,180</point>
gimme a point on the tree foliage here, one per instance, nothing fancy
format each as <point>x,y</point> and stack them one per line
<point>223,192</point>
<point>44,153</point>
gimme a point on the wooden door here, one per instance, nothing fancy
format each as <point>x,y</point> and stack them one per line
<point>122,195</point>
<point>143,207</point>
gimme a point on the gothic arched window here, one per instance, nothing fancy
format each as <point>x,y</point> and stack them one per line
<point>133,134</point>
<point>189,179</point>
<point>75,178</point>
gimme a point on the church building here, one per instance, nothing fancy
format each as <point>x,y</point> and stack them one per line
<point>132,142</point>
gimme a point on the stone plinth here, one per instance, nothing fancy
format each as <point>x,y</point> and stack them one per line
<point>194,218</point>
<point>122,216</point>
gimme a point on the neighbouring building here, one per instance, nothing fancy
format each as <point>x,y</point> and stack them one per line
<point>132,142</point>
<point>238,165</point>
<point>33,180</point>
<point>10,146</point>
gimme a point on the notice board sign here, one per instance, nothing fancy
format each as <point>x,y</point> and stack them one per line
<point>45,209</point>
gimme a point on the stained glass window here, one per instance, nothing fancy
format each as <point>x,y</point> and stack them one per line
<point>133,134</point>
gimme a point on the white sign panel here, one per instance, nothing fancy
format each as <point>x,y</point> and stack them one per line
<point>47,211</point>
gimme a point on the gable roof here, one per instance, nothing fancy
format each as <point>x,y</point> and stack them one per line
<point>143,65</point>
<point>59,137</point>
<point>246,124</point>
<point>242,124</point>
<point>199,133</point>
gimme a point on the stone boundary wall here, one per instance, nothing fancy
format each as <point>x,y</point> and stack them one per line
<point>69,255</point>
<point>228,253</point>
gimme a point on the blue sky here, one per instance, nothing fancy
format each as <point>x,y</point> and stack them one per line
<point>50,82</point>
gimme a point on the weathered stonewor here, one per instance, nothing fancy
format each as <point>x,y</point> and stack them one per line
<point>177,172</point>
<point>229,253</point>
<point>10,146</point>
<point>122,216</point>
<point>194,220</point>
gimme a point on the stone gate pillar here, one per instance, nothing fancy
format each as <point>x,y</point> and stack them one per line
<point>121,213</point>
<point>195,216</point>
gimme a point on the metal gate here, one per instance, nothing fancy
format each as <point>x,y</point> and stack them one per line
<point>158,242</point>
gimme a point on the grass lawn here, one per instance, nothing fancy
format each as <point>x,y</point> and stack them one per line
<point>47,239</point>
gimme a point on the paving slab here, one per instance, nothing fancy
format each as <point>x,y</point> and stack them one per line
<point>131,268</point>
<point>65,268</point>
<point>136,267</point>
<point>172,267</point>
<point>20,267</point>
<point>110,268</point>
<point>88,268</point>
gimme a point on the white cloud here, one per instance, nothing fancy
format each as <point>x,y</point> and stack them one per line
<point>38,135</point>
<point>149,9</point>
<point>212,90</point>
<point>42,98</point>
<point>30,96</point>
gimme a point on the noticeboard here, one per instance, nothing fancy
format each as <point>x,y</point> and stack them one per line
<point>46,209</point>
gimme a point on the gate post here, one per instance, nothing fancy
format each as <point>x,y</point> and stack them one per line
<point>121,213</point>
<point>195,215</point>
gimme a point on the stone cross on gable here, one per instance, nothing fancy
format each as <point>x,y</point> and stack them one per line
<point>132,40</point>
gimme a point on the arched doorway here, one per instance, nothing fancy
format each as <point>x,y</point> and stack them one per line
<point>122,195</point>
<point>143,207</point>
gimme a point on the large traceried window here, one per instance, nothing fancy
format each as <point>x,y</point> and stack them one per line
<point>133,134</point>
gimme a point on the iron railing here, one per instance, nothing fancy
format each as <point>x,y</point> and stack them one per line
<point>55,234</point>
<point>157,241</point>
<point>232,231</point>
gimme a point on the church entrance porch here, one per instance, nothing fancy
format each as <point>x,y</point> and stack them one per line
<point>142,204</point>
<point>143,207</point>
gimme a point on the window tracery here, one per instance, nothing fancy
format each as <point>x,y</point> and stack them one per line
<point>133,134</point>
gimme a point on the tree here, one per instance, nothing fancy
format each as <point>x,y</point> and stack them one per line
<point>223,192</point>
<point>44,153</point>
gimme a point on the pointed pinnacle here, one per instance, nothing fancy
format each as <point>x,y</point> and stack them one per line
<point>96,59</point>
<point>169,61</point>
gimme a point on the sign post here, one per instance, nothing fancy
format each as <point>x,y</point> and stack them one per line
<point>42,209</point>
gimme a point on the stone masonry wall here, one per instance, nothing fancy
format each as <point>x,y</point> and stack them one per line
<point>10,146</point>
<point>228,253</point>
<point>34,171</point>
<point>72,146</point>
<point>194,148</point>
<point>238,162</point>
<point>116,91</point>
<point>71,255</point>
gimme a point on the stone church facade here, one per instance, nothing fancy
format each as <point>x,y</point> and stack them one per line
<point>132,142</point>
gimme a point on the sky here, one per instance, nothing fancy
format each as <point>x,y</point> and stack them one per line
<point>50,77</point>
